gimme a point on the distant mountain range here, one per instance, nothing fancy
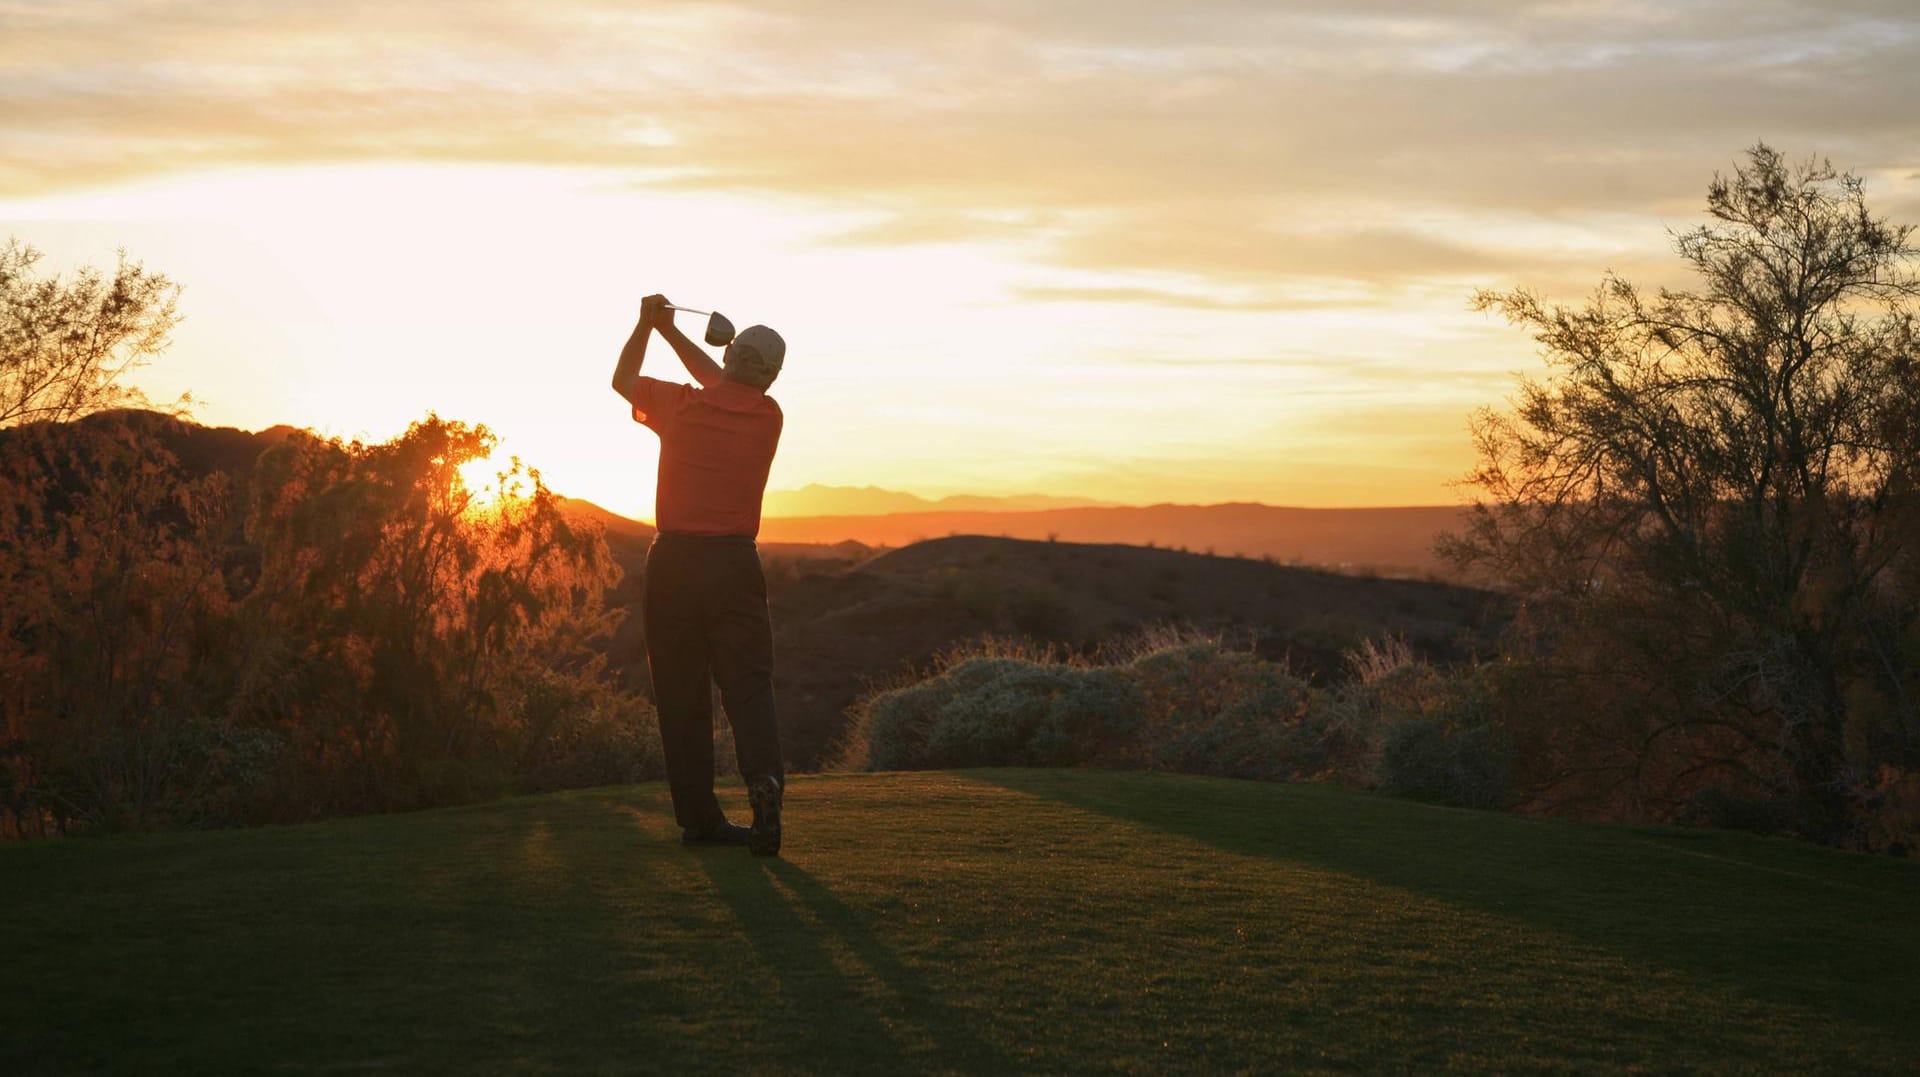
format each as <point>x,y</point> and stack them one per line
<point>1396,541</point>
<point>815,499</point>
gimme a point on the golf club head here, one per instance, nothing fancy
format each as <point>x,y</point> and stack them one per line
<point>719,330</point>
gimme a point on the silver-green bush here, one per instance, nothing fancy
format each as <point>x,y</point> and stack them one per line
<point>1212,710</point>
<point>1037,715</point>
<point>1439,735</point>
<point>1193,705</point>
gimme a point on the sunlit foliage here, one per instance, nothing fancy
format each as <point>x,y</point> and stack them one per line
<point>340,634</point>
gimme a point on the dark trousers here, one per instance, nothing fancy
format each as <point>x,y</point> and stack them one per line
<point>705,611</point>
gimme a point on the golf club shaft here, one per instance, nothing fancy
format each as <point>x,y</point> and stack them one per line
<point>689,310</point>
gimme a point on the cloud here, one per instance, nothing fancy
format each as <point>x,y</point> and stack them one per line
<point>1249,145</point>
<point>1347,374</point>
<point>1133,296</point>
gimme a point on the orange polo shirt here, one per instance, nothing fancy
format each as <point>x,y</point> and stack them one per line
<point>716,446</point>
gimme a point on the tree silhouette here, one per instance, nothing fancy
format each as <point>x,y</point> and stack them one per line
<point>1709,507</point>
<point>64,344</point>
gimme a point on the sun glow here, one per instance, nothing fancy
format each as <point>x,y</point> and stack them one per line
<point>398,290</point>
<point>492,481</point>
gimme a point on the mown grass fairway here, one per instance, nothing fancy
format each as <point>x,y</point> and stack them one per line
<point>986,921</point>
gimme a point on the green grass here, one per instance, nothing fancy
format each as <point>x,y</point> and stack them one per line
<point>986,921</point>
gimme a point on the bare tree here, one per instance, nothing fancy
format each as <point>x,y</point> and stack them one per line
<point>65,344</point>
<point>1710,498</point>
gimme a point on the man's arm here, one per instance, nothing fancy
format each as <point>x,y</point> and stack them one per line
<point>635,350</point>
<point>697,361</point>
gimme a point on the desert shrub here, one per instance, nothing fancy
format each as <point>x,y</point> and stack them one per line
<point>16,788</point>
<point>1154,637</point>
<point>1212,710</point>
<point>1191,705</point>
<point>116,623</point>
<point>992,711</point>
<point>1429,759</point>
<point>894,724</point>
<point>180,771</point>
<point>1890,813</point>
<point>345,631</point>
<point>1036,715</point>
<point>227,770</point>
<point>1374,660</point>
<point>887,726</point>
<point>573,733</point>
<point>1172,699</point>
<point>1427,732</point>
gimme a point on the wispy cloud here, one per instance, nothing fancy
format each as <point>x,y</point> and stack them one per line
<point>1134,296</point>
<point>1247,144</point>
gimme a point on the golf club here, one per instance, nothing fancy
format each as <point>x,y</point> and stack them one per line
<point>719,329</point>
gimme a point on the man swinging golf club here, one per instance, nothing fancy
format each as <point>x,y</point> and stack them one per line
<point>705,605</point>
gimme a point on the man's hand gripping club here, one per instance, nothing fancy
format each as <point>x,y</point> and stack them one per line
<point>656,314</point>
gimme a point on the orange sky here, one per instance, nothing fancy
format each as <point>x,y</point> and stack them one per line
<point>1136,252</point>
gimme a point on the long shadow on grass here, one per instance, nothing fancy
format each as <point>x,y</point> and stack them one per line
<point>1833,933</point>
<point>536,947</point>
<point>849,994</point>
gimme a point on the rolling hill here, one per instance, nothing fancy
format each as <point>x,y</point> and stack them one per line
<point>842,627</point>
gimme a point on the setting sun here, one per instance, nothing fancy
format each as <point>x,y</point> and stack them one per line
<point>493,479</point>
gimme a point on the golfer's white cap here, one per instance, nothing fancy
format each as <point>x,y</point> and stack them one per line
<point>757,353</point>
